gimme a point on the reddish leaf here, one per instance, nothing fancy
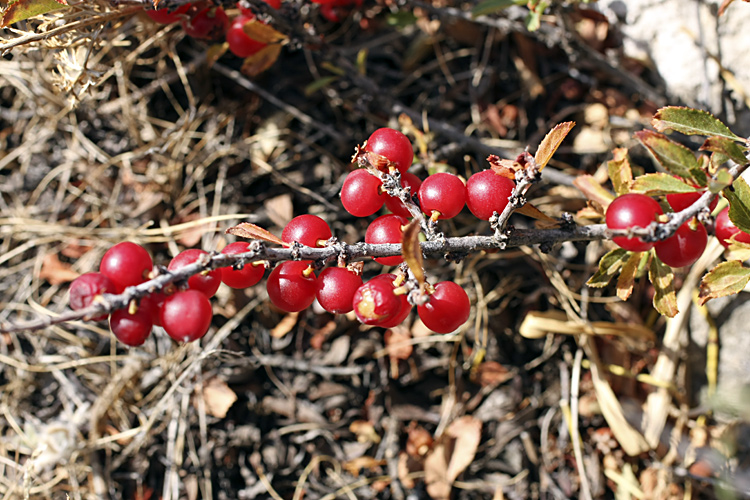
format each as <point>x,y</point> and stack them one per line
<point>18,10</point>
<point>253,232</point>
<point>551,142</point>
<point>506,168</point>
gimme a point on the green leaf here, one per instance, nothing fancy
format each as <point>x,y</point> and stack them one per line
<point>728,278</point>
<point>665,298</point>
<point>619,171</point>
<point>659,184</point>
<point>493,6</point>
<point>722,180</point>
<point>401,19</point>
<point>627,275</point>
<point>674,157</point>
<point>738,195</point>
<point>691,122</point>
<point>725,147</point>
<point>19,10</point>
<point>609,266</point>
<point>318,84</point>
<point>551,142</point>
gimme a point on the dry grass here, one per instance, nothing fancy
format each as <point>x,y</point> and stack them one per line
<point>117,129</point>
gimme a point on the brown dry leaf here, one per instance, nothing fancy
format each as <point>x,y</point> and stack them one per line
<point>491,373</point>
<point>435,473</point>
<point>411,250</point>
<point>593,190</point>
<point>551,142</point>
<point>261,60</point>
<point>253,232</point>
<point>355,465</point>
<point>530,210</point>
<point>280,209</point>
<point>74,250</point>
<point>506,168</point>
<point>261,32</point>
<point>56,272</point>
<point>397,343</point>
<point>285,325</point>
<point>365,431</point>
<point>406,466</point>
<point>192,235</point>
<point>419,440</point>
<point>218,397</point>
<point>467,431</point>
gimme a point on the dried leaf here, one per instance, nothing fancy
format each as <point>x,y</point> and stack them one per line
<point>659,184</point>
<point>435,473</point>
<point>261,32</point>
<point>418,441</point>
<point>728,278</point>
<point>674,157</point>
<point>627,275</point>
<point>530,210</point>
<point>280,209</point>
<point>504,167</point>
<point>467,431</point>
<point>619,171</point>
<point>19,10</point>
<point>365,431</point>
<point>261,60</point>
<point>253,232</point>
<point>593,191</point>
<point>218,397</point>
<point>412,251</point>
<point>725,146</point>
<point>609,265</point>
<point>662,277</point>
<point>56,272</point>
<point>397,343</point>
<point>691,122</point>
<point>356,464</point>
<point>738,195</point>
<point>284,326</point>
<point>215,51</point>
<point>491,373</point>
<point>551,142</point>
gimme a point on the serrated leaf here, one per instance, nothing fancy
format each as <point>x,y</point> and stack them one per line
<point>551,142</point>
<point>493,6</point>
<point>319,84</point>
<point>261,32</point>
<point>253,232</point>
<point>728,278</point>
<point>619,171</point>
<point>722,180</point>
<point>674,157</point>
<point>411,250</point>
<point>665,298</point>
<point>261,60</point>
<point>609,266</point>
<point>593,191</point>
<point>691,122</point>
<point>19,10</point>
<point>530,210</point>
<point>628,273</point>
<point>659,184</point>
<point>738,195</point>
<point>726,147</point>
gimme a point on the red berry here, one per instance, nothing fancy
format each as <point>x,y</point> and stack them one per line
<point>308,230</point>
<point>394,204</point>
<point>443,193</point>
<point>393,145</point>
<point>84,288</point>
<point>240,43</point>
<point>632,210</point>
<point>131,329</point>
<point>335,289</point>
<point>488,192</point>
<point>447,309</point>
<point>375,302</point>
<point>684,247</point>
<point>126,264</point>
<point>400,316</point>
<point>681,201</point>
<point>186,315</point>
<point>205,283</point>
<point>291,285</point>
<point>387,229</point>
<point>250,274</point>
<point>153,303</point>
<point>725,229</point>
<point>362,193</point>
<point>164,16</point>
<point>206,22</point>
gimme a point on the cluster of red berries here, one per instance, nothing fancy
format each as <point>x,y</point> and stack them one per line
<point>686,245</point>
<point>206,21</point>
<point>184,314</point>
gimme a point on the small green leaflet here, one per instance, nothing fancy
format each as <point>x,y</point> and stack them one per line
<point>722,180</point>
<point>691,122</point>
<point>493,6</point>
<point>728,278</point>
<point>665,298</point>
<point>19,10</point>
<point>674,157</point>
<point>609,266</point>
<point>738,195</point>
<point>659,184</point>
<point>725,147</point>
